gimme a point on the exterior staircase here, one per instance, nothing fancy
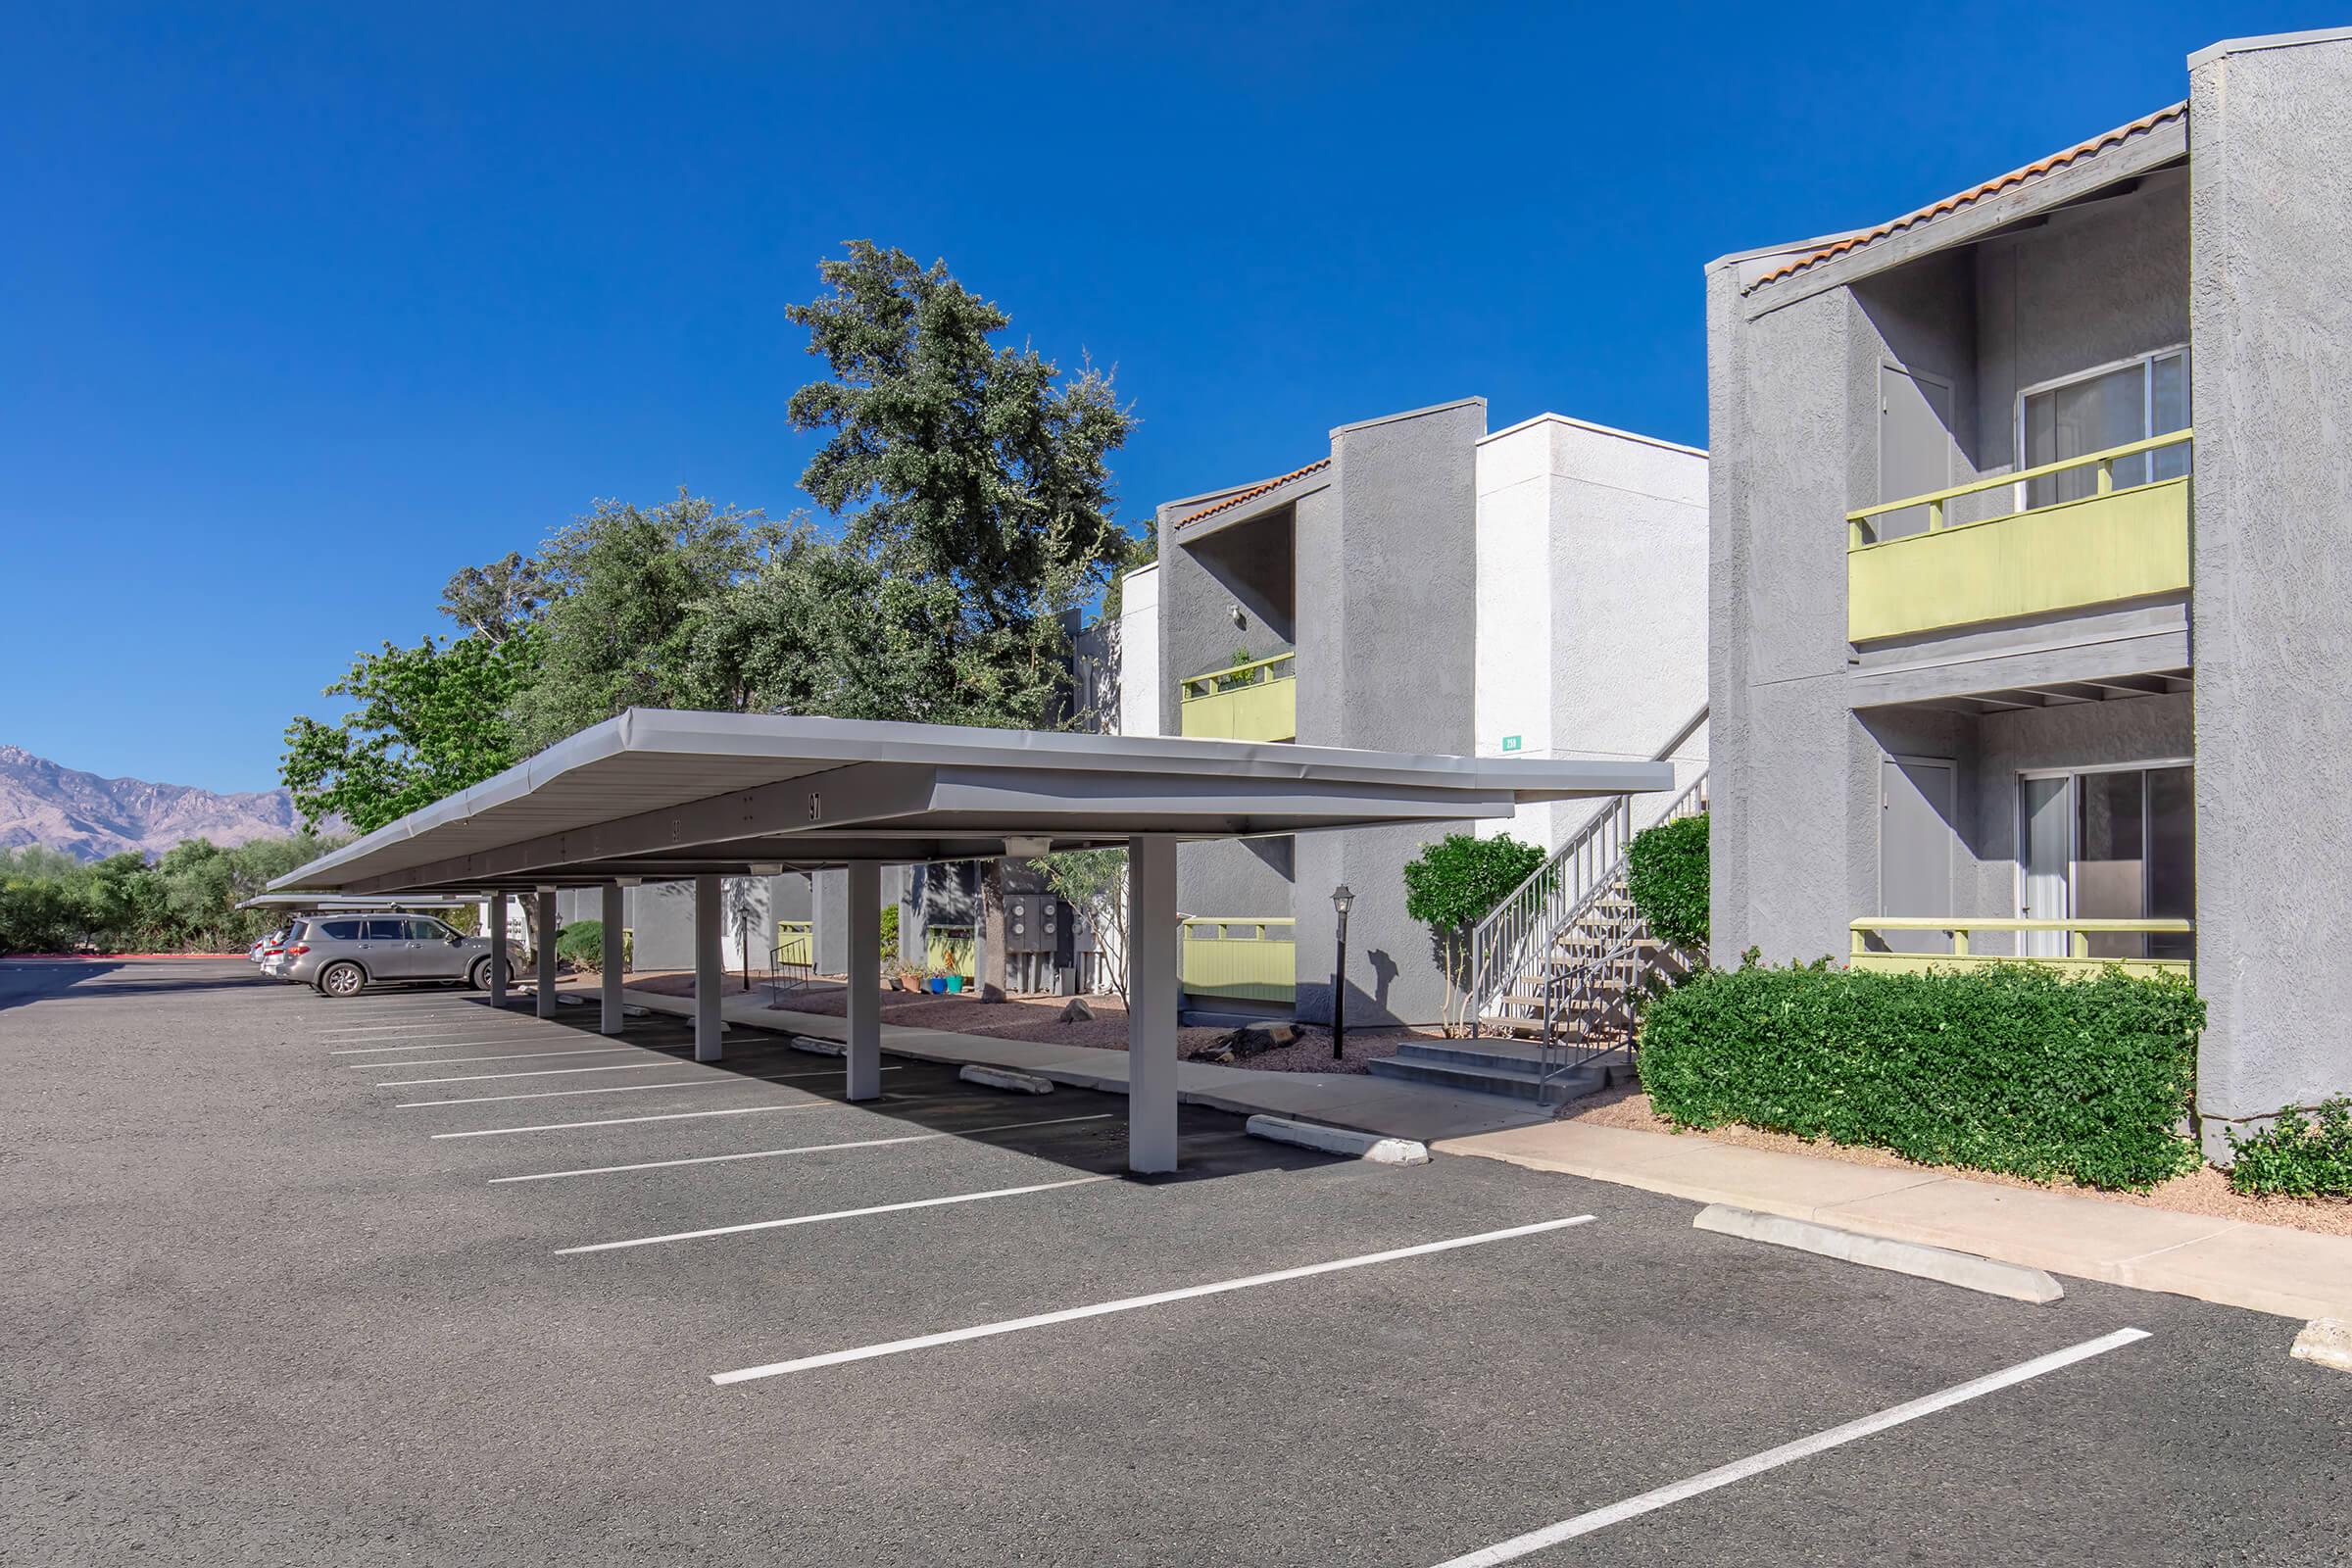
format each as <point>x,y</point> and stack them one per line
<point>1559,969</point>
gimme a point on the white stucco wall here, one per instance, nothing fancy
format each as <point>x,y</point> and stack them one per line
<point>1591,602</point>
<point>1141,693</point>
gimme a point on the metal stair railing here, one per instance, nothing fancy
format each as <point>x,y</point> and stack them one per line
<point>1519,930</point>
<point>1593,987</point>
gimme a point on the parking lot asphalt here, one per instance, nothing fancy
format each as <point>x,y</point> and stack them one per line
<point>406,1280</point>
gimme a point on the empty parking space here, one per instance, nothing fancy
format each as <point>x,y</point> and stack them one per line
<point>288,1313</point>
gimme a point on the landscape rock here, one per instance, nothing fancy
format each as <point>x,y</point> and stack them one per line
<point>1077,1012</point>
<point>1251,1040</point>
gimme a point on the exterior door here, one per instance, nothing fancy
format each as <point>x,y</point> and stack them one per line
<point>1915,444</point>
<point>1916,845</point>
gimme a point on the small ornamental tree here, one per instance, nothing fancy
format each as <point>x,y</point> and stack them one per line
<point>1451,886</point>
<point>1094,882</point>
<point>1666,876</point>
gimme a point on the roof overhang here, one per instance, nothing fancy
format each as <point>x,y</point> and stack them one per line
<point>661,795</point>
<point>342,904</point>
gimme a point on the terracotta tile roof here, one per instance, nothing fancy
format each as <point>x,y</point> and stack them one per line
<point>1991,187</point>
<point>1253,492</point>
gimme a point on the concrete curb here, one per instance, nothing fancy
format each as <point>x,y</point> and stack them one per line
<point>1964,1269</point>
<point>1337,1140</point>
<point>1027,1083</point>
<point>2325,1342</point>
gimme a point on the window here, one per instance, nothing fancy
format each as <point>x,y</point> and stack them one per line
<point>428,931</point>
<point>387,931</point>
<point>2113,845</point>
<point>2108,408</point>
<point>342,930</point>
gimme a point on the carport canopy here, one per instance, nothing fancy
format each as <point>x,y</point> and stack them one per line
<point>656,796</point>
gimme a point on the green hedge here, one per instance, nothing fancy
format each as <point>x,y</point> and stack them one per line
<point>1666,876</point>
<point>2298,1158</point>
<point>583,943</point>
<point>2008,1068</point>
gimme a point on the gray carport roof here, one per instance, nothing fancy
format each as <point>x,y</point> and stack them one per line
<point>347,903</point>
<point>663,795</point>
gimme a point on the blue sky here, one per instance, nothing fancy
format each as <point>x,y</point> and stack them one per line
<point>307,307</point>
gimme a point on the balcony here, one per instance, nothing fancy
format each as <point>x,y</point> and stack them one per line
<point>2078,961</point>
<point>2107,547</point>
<point>1254,701</point>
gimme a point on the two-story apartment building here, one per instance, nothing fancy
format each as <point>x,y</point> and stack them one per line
<point>2030,623</point>
<point>1421,585</point>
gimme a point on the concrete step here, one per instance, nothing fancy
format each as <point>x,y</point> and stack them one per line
<point>1513,1056</point>
<point>1501,1074</point>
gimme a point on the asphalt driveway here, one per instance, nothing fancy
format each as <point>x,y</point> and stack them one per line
<point>407,1280</point>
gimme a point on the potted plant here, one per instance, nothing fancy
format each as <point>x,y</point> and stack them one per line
<point>936,982</point>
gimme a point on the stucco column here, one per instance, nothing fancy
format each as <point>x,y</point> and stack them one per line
<point>499,957</point>
<point>545,1001</point>
<point>866,980</point>
<point>613,918</point>
<point>1151,1004</point>
<point>710,969</point>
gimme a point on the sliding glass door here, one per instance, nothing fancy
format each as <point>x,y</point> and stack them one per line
<point>2111,407</point>
<point>2115,843</point>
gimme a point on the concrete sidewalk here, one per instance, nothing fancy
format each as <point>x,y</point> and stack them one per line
<point>2266,1268</point>
<point>1382,1106</point>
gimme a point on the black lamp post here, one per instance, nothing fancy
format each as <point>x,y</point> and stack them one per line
<point>1341,901</point>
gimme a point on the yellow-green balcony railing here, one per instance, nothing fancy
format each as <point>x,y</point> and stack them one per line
<point>1254,701</point>
<point>2104,547</point>
<point>2078,961</point>
<point>1238,960</point>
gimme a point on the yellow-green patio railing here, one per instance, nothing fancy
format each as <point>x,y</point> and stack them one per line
<point>951,948</point>
<point>2104,547</point>
<point>1861,520</point>
<point>796,945</point>
<point>1255,701</point>
<point>2078,959</point>
<point>1238,958</point>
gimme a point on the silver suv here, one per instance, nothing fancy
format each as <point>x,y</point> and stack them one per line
<point>344,954</point>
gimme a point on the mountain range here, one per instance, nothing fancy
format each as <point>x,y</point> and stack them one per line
<point>91,817</point>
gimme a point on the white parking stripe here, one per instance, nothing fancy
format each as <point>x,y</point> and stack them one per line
<point>1583,1524</point>
<point>1133,1303</point>
<point>518,1055</point>
<point>667,1115</point>
<point>535,1072</point>
<point>456,1026</point>
<point>715,1081</point>
<point>839,1213</point>
<point>431,1045</point>
<point>803,1148</point>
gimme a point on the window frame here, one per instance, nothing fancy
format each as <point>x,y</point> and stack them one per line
<point>2146,364</point>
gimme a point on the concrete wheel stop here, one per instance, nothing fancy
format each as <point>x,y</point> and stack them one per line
<point>1964,1269</point>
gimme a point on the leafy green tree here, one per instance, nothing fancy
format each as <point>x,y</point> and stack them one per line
<point>1451,886</point>
<point>629,594</point>
<point>975,485</point>
<point>428,721</point>
<point>496,600</point>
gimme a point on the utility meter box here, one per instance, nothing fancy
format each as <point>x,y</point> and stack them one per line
<point>1032,922</point>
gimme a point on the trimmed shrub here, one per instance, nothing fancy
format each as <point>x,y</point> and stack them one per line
<point>582,943</point>
<point>2006,1068</point>
<point>2298,1158</point>
<point>1666,876</point>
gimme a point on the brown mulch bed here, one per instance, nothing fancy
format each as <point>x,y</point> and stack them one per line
<point>2205,1190</point>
